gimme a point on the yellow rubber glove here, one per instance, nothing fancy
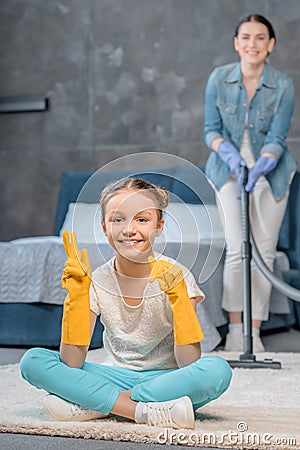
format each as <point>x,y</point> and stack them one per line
<point>76,279</point>
<point>187,329</point>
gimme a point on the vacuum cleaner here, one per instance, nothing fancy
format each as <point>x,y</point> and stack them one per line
<point>248,359</point>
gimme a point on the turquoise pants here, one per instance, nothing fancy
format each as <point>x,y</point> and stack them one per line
<point>97,386</point>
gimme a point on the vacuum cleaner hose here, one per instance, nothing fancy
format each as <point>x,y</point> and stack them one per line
<point>280,285</point>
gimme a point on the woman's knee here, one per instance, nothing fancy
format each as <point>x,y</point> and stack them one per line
<point>233,255</point>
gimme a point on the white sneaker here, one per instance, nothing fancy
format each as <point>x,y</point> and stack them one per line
<point>234,341</point>
<point>177,413</point>
<point>60,410</point>
<point>258,346</point>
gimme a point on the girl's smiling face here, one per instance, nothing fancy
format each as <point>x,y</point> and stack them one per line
<point>253,42</point>
<point>131,223</point>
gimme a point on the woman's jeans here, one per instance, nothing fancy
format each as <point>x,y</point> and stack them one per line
<point>97,386</point>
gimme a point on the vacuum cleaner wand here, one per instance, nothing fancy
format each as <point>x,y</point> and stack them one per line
<point>248,359</point>
<point>246,253</point>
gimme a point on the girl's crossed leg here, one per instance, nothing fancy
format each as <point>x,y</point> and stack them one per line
<point>117,390</point>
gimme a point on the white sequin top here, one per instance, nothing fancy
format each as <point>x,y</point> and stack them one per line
<point>136,337</point>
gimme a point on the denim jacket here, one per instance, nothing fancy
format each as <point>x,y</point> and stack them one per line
<point>269,114</point>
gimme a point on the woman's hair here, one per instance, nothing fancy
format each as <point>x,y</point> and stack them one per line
<point>256,18</point>
<point>160,195</point>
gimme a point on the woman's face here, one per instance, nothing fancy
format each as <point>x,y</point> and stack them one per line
<point>253,43</point>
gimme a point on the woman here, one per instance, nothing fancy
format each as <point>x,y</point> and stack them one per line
<point>248,109</point>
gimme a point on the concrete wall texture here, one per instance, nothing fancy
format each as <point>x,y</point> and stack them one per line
<point>122,76</point>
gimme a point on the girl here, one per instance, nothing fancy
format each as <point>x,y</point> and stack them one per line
<point>248,109</point>
<point>153,373</point>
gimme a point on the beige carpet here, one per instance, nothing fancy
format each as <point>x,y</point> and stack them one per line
<point>261,409</point>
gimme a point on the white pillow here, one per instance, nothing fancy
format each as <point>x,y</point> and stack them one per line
<point>84,219</point>
<point>186,222</point>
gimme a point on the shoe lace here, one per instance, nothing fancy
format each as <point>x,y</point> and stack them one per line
<point>77,410</point>
<point>159,415</point>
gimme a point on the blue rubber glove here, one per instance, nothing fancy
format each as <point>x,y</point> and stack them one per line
<point>263,165</point>
<point>229,154</point>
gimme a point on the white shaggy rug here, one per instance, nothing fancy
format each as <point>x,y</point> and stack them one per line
<point>261,409</point>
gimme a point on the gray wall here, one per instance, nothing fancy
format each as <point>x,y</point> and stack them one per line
<point>122,76</point>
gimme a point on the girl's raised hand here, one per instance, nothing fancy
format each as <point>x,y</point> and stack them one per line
<point>187,329</point>
<point>77,265</point>
<point>167,274</point>
<point>76,279</point>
